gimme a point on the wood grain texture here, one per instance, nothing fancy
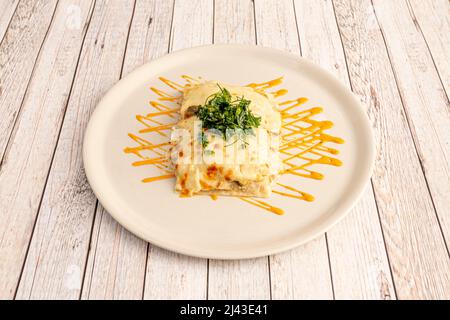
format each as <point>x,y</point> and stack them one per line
<point>415,246</point>
<point>276,25</point>
<point>423,96</point>
<point>239,279</point>
<point>18,52</point>
<point>117,261</point>
<point>29,154</point>
<point>234,22</point>
<point>149,34</point>
<point>174,276</point>
<point>432,18</point>
<point>302,273</point>
<point>192,24</point>
<point>7,9</point>
<point>171,275</point>
<point>244,279</point>
<point>358,260</point>
<point>58,250</point>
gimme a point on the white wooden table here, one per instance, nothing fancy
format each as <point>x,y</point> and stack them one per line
<point>57,59</point>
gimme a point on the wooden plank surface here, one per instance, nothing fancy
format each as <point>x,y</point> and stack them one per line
<point>234,21</point>
<point>432,20</point>
<point>24,169</point>
<point>414,242</point>
<point>57,58</point>
<point>117,261</point>
<point>423,96</point>
<point>19,50</point>
<point>7,9</point>
<point>58,250</point>
<point>355,245</point>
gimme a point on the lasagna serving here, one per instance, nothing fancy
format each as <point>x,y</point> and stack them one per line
<point>226,142</point>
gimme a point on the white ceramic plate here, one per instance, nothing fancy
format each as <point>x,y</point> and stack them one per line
<point>227,228</point>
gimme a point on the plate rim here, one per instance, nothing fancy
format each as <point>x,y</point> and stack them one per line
<point>101,109</point>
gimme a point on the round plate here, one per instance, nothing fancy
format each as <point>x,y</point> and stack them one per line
<point>227,228</point>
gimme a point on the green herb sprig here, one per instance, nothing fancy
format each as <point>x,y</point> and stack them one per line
<point>222,113</point>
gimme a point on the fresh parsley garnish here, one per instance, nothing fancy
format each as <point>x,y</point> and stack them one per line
<point>222,112</point>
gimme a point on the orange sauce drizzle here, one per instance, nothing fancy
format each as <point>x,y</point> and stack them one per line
<point>296,193</point>
<point>149,161</point>
<point>144,145</point>
<point>279,93</point>
<point>151,179</point>
<point>263,205</point>
<point>159,106</point>
<point>172,84</point>
<point>143,119</point>
<point>306,141</point>
<point>189,80</point>
<point>294,103</point>
<point>164,96</point>
<point>158,128</point>
<point>266,85</point>
<point>303,138</point>
<point>155,114</point>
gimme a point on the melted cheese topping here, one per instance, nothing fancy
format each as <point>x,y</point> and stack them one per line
<point>229,167</point>
<point>262,104</point>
